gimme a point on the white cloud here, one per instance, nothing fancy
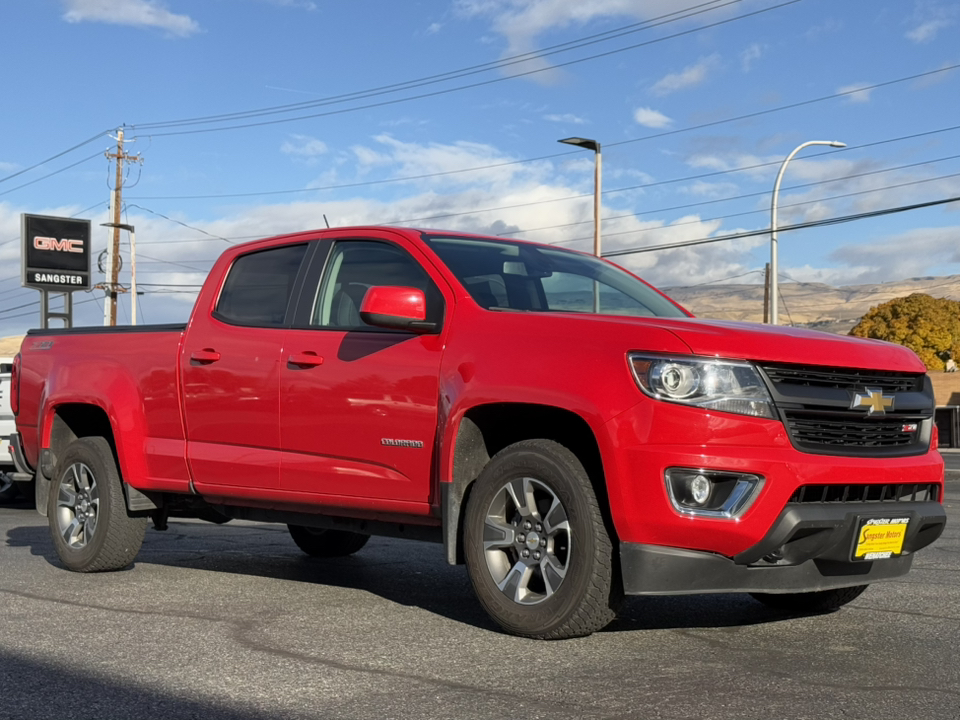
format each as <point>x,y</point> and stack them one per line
<point>545,201</point>
<point>750,55</point>
<point>433,28</point>
<point>304,147</point>
<point>929,18</point>
<point>135,13</point>
<point>925,32</point>
<point>566,118</point>
<point>521,22</point>
<point>915,253</point>
<point>298,4</point>
<point>857,92</point>
<point>830,26</point>
<point>753,166</point>
<point>690,76</point>
<point>648,117</point>
<point>699,188</point>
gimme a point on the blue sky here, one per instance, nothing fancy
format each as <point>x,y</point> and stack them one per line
<point>446,114</point>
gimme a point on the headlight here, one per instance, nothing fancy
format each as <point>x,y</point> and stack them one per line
<point>733,387</point>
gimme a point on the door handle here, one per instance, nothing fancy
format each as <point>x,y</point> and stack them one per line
<point>305,359</point>
<point>205,356</point>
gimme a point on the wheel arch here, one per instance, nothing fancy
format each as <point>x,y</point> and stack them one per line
<point>69,422</point>
<point>485,430</point>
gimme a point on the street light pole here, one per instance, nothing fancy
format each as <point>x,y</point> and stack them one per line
<point>774,285</point>
<point>589,144</point>
<point>133,266</point>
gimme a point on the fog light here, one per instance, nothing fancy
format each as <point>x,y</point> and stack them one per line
<point>699,490</point>
<point>711,493</point>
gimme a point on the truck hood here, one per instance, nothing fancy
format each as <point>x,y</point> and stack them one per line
<point>772,343</point>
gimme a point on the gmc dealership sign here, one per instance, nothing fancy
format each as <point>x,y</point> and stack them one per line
<point>56,253</point>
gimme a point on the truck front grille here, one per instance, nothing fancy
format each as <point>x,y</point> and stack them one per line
<point>879,493</point>
<point>844,379</point>
<point>817,430</point>
<point>824,412</point>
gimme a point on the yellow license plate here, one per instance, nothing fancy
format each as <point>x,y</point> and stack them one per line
<point>880,538</point>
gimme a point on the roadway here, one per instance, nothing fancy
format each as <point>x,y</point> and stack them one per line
<point>233,622</point>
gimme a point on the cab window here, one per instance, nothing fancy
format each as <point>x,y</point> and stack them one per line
<point>355,266</point>
<point>258,287</point>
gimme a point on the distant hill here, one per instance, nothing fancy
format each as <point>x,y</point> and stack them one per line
<point>813,305</point>
<point>10,346</point>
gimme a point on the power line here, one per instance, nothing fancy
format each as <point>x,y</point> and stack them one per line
<point>479,168</point>
<point>756,212</point>
<point>784,228</point>
<point>54,157</point>
<point>461,87</point>
<point>178,222</point>
<point>451,74</point>
<point>667,209</point>
<point>50,175</point>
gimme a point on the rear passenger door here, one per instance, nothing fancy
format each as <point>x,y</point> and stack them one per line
<point>358,404</point>
<point>231,372</point>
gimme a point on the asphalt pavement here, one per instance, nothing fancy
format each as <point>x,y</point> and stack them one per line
<point>232,622</point>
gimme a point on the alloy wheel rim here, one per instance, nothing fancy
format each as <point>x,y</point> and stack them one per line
<point>527,541</point>
<point>78,506</point>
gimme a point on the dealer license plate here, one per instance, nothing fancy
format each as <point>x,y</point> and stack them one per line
<point>880,538</point>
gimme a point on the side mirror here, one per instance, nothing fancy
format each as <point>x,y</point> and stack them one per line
<point>396,308</point>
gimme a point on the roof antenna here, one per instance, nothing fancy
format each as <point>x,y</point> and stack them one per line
<point>326,221</point>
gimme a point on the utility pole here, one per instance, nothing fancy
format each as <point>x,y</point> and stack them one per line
<point>113,248</point>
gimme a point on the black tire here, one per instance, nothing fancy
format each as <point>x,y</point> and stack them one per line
<point>89,524</point>
<point>316,542</point>
<point>8,488</point>
<point>537,550</point>
<point>820,601</point>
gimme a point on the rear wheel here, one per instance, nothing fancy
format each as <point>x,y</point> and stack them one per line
<point>89,524</point>
<point>820,601</point>
<point>537,550</point>
<point>316,542</point>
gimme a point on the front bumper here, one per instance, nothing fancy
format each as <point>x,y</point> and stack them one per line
<point>640,445</point>
<point>809,548</point>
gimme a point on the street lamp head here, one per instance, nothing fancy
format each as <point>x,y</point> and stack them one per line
<point>586,143</point>
<point>836,143</point>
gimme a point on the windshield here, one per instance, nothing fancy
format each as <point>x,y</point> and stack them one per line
<point>504,275</point>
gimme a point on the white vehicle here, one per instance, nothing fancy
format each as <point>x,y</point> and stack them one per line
<point>8,489</point>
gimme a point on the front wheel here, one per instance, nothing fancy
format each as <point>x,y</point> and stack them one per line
<point>536,546</point>
<point>820,601</point>
<point>89,524</point>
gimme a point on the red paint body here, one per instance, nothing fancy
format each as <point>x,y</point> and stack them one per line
<point>296,418</point>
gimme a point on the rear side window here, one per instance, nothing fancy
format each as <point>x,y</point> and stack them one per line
<point>258,287</point>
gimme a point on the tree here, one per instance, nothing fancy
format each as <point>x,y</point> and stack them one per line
<point>929,326</point>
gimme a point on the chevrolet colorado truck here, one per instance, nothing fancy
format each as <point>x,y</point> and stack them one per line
<point>565,430</point>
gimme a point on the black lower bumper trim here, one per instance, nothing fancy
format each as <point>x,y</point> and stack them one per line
<point>808,548</point>
<point>658,570</point>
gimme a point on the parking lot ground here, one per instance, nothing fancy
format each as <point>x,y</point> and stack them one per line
<point>232,621</point>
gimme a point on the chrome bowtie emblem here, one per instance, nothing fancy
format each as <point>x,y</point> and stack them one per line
<point>874,400</point>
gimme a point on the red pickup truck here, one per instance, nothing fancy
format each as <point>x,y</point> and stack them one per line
<point>563,428</point>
